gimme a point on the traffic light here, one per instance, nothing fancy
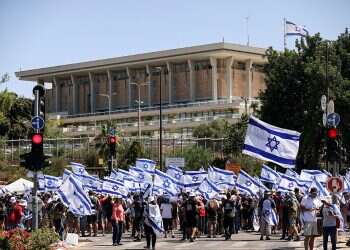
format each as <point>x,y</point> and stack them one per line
<point>112,141</point>
<point>332,145</point>
<point>38,108</point>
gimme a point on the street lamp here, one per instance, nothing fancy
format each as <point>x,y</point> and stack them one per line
<point>138,85</point>
<point>160,69</point>
<point>109,104</point>
<point>245,99</point>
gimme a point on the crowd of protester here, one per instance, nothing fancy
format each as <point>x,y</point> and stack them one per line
<point>297,215</point>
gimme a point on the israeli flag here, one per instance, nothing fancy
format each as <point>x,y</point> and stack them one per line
<point>165,182</point>
<point>51,183</point>
<point>270,143</point>
<point>146,164</point>
<point>119,174</point>
<point>269,175</point>
<point>114,188</point>
<point>192,179</point>
<point>91,183</point>
<point>174,172</point>
<point>66,174</point>
<point>141,175</point>
<point>322,191</point>
<point>208,189</point>
<point>294,29</point>
<point>247,184</point>
<point>73,196</point>
<point>261,185</point>
<point>309,175</point>
<point>218,175</point>
<point>292,173</point>
<point>287,183</point>
<point>346,185</point>
<point>78,169</point>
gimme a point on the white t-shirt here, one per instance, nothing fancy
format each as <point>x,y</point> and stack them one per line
<point>166,209</point>
<point>309,203</point>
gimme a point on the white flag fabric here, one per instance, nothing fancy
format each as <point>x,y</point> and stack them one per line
<point>247,184</point>
<point>322,191</point>
<point>73,196</point>
<point>271,143</point>
<point>114,188</point>
<point>49,183</point>
<point>269,175</point>
<point>174,172</point>
<point>221,176</point>
<point>309,175</point>
<point>146,164</point>
<point>287,183</point>
<point>208,189</point>
<point>78,168</point>
<point>292,173</point>
<point>165,182</point>
<point>192,179</point>
<point>293,29</point>
<point>141,175</point>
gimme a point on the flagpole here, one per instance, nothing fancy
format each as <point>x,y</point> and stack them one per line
<point>284,35</point>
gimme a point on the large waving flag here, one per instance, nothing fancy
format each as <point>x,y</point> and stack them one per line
<point>322,191</point>
<point>72,195</point>
<point>247,184</point>
<point>49,183</point>
<point>192,179</point>
<point>271,143</point>
<point>208,189</point>
<point>287,183</point>
<point>174,172</point>
<point>146,164</point>
<point>295,29</point>
<point>309,175</point>
<point>141,175</point>
<point>269,175</point>
<point>292,173</point>
<point>165,182</point>
<point>113,188</point>
<point>78,169</point>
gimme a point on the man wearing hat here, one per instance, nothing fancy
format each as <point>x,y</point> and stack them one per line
<point>191,213</point>
<point>310,205</point>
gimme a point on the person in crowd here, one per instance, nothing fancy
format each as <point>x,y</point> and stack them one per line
<point>292,206</point>
<point>14,214</point>
<point>92,219</point>
<point>100,217</point>
<point>283,217</point>
<point>212,214</point>
<point>191,213</point>
<point>118,218</point>
<point>266,208</point>
<point>202,217</point>
<point>166,211</point>
<point>107,207</point>
<point>229,215</point>
<point>152,216</point>
<point>310,206</point>
<point>329,223</point>
<point>137,214</point>
<point>58,216</point>
<point>238,217</point>
<point>174,215</point>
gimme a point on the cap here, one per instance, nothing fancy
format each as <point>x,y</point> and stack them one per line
<point>23,203</point>
<point>192,194</point>
<point>150,199</point>
<point>13,199</point>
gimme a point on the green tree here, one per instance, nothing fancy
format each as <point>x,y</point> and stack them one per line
<point>197,157</point>
<point>296,80</point>
<point>235,137</point>
<point>215,129</point>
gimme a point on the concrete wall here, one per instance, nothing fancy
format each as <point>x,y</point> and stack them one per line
<point>180,82</point>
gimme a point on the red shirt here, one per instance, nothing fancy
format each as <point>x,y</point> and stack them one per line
<point>15,214</point>
<point>118,212</point>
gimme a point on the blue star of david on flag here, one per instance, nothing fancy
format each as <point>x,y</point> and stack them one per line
<point>81,170</point>
<point>290,184</point>
<point>248,183</point>
<point>209,190</point>
<point>166,183</point>
<point>194,178</point>
<point>141,176</point>
<point>115,188</point>
<point>91,182</point>
<point>49,182</point>
<point>177,175</point>
<point>221,178</point>
<point>272,143</point>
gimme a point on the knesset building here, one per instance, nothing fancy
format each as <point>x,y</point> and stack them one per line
<point>199,84</point>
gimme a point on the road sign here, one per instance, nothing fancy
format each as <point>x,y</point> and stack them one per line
<point>333,119</point>
<point>323,102</point>
<point>330,107</point>
<point>37,122</point>
<point>335,184</point>
<point>324,119</point>
<point>176,162</point>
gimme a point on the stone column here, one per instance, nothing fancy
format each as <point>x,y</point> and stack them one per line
<point>248,68</point>
<point>109,75</point>
<point>214,78</point>
<point>92,93</point>
<point>192,82</point>
<point>57,92</point>
<point>168,65</point>
<point>129,87</point>
<point>229,80</point>
<point>74,94</point>
<point>149,77</point>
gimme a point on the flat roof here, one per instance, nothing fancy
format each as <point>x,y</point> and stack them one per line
<point>33,74</point>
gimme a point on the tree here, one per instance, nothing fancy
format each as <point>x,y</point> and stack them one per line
<point>215,129</point>
<point>296,80</point>
<point>235,137</point>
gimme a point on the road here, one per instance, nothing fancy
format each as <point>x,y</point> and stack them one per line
<point>242,241</point>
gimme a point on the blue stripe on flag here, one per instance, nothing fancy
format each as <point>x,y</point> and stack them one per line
<point>268,155</point>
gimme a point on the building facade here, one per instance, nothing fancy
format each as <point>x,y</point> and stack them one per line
<point>198,84</point>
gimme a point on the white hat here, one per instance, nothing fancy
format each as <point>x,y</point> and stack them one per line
<point>23,203</point>
<point>118,196</point>
<point>13,199</point>
<point>151,198</point>
<point>191,194</point>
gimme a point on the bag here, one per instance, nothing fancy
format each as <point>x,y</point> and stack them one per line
<point>72,239</point>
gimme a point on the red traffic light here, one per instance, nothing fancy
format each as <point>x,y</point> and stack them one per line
<point>37,138</point>
<point>112,140</point>
<point>332,133</point>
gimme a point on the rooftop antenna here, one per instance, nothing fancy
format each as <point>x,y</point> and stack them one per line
<point>223,39</point>
<point>247,29</point>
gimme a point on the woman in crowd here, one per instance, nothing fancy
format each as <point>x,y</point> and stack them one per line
<point>118,218</point>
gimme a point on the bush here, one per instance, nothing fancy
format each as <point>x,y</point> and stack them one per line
<point>42,238</point>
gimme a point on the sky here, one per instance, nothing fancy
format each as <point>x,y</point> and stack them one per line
<point>43,33</point>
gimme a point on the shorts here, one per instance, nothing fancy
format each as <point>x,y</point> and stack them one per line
<point>292,220</point>
<point>167,224</point>
<point>310,229</point>
<point>192,221</point>
<point>92,219</point>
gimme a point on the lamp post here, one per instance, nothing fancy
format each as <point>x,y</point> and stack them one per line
<point>138,85</point>
<point>160,69</point>
<point>109,104</point>
<point>245,99</point>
